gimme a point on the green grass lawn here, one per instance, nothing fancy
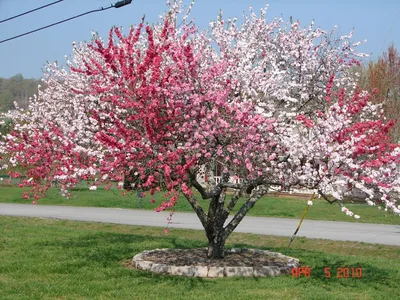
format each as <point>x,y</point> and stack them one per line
<point>53,259</point>
<point>266,207</point>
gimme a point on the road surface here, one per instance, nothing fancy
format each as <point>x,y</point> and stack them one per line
<point>342,231</point>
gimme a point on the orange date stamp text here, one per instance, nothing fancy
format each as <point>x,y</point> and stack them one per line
<point>340,272</point>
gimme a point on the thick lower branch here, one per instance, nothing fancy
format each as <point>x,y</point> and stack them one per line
<point>204,194</point>
<point>220,207</point>
<point>235,198</point>
<point>198,210</point>
<point>244,209</point>
<point>236,186</point>
<point>326,197</point>
<point>215,210</point>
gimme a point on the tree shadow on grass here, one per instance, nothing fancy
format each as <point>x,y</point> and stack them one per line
<point>179,243</point>
<point>95,239</point>
<point>109,250</point>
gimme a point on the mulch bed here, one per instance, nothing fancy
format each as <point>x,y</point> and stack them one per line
<point>198,257</point>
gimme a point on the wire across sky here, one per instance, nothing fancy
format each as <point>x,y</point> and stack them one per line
<point>116,5</point>
<point>30,11</point>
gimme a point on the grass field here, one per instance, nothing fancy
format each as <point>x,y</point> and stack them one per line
<point>50,259</point>
<point>267,207</point>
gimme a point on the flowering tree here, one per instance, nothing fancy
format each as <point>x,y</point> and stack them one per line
<point>272,104</point>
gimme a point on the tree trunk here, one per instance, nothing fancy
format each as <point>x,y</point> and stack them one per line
<point>216,244</point>
<point>214,221</point>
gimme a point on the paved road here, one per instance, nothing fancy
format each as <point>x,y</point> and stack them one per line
<point>360,232</point>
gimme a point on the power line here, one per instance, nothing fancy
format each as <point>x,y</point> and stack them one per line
<point>59,22</point>
<point>116,5</point>
<point>29,11</point>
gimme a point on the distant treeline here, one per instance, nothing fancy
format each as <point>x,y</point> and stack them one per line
<point>18,89</point>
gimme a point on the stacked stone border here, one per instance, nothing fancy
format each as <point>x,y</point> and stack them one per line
<point>141,263</point>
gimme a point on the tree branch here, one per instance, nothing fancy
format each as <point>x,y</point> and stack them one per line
<point>326,197</point>
<point>236,186</point>
<point>244,209</point>
<point>235,198</point>
<point>220,207</point>
<point>204,194</point>
<point>198,209</point>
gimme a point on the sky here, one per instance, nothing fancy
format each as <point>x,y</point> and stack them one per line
<point>376,21</point>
